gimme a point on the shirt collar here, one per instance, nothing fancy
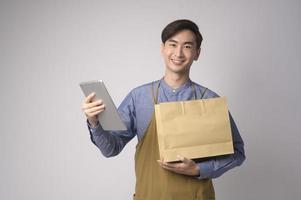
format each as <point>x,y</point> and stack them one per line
<point>172,91</point>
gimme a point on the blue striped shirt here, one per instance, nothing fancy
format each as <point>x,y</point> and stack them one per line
<point>136,111</point>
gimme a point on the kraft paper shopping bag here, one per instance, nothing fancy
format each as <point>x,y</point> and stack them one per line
<point>193,129</point>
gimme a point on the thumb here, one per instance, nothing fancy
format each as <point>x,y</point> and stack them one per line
<point>184,160</point>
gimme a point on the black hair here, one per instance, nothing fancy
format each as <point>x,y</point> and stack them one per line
<point>182,24</point>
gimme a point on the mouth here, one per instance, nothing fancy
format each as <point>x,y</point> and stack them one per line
<point>177,62</point>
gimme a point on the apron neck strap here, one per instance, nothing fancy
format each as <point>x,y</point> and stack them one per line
<point>155,96</point>
<point>203,94</point>
<point>194,90</point>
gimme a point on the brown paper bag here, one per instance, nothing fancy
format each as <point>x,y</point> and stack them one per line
<point>193,129</point>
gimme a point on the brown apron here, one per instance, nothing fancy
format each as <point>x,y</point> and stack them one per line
<point>155,183</point>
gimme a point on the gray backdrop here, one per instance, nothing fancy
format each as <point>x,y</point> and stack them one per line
<point>251,54</point>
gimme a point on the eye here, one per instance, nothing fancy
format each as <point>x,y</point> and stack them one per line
<point>172,45</point>
<point>187,46</point>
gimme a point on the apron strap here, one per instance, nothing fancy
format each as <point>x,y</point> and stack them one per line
<point>202,95</point>
<point>194,90</point>
<point>155,97</point>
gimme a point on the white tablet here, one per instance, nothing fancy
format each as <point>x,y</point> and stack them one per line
<point>109,119</point>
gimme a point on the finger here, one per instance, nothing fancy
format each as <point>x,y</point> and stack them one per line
<point>166,166</point>
<point>93,104</point>
<point>163,164</point>
<point>178,168</point>
<point>169,168</point>
<point>175,169</point>
<point>91,112</point>
<point>184,160</point>
<point>96,108</point>
<point>95,113</point>
<point>172,165</point>
<point>89,98</point>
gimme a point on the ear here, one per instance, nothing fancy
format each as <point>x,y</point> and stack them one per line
<point>197,54</point>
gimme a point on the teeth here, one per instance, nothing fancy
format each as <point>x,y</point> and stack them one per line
<point>177,61</point>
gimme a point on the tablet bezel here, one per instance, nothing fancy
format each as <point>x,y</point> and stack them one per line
<point>109,119</point>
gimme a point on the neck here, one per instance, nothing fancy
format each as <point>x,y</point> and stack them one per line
<point>175,80</point>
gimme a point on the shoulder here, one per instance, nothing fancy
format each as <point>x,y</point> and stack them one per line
<point>138,95</point>
<point>143,92</point>
<point>144,89</point>
<point>205,92</point>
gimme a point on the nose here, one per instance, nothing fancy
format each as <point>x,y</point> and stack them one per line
<point>178,52</point>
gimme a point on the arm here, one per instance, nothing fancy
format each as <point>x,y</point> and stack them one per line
<point>212,167</point>
<point>110,143</point>
<point>217,166</point>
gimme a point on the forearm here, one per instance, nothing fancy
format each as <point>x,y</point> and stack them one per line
<point>217,166</point>
<point>109,143</point>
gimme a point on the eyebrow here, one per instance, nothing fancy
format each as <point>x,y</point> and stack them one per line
<point>171,40</point>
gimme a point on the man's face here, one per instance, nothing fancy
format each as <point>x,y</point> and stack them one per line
<point>180,51</point>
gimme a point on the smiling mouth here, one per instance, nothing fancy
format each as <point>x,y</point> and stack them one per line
<point>177,61</point>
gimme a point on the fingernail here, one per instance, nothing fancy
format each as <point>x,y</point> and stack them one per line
<point>180,157</point>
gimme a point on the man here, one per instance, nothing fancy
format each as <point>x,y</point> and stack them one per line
<point>156,179</point>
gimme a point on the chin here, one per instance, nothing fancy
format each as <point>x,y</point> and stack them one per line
<point>178,71</point>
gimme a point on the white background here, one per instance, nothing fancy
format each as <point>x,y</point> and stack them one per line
<point>251,54</point>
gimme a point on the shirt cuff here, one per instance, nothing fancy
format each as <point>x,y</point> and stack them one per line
<point>96,131</point>
<point>206,168</point>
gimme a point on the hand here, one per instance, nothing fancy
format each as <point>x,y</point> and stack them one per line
<point>92,109</point>
<point>186,167</point>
